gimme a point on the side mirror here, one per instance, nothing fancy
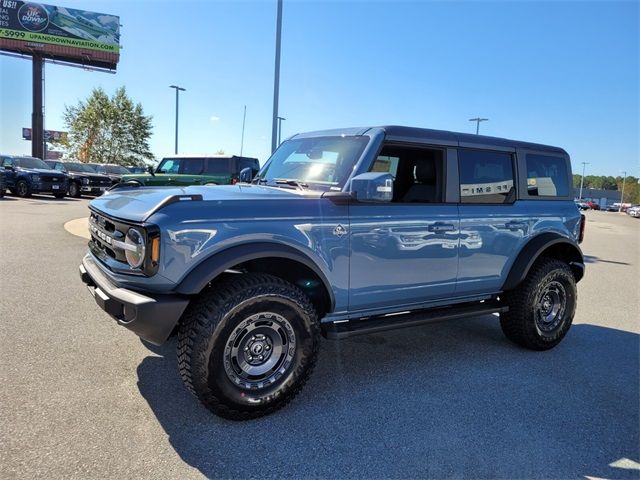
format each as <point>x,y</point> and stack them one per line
<point>246,175</point>
<point>373,187</point>
<point>150,170</point>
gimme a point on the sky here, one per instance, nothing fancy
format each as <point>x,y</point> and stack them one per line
<point>563,73</point>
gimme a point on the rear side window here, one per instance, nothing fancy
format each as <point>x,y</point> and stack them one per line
<point>192,166</point>
<point>547,176</point>
<point>218,166</point>
<point>485,176</point>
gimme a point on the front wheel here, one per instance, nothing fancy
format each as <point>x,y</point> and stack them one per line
<point>542,307</point>
<point>247,345</point>
<point>74,190</point>
<point>22,189</point>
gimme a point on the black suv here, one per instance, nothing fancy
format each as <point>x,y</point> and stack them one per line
<point>114,172</point>
<point>82,178</point>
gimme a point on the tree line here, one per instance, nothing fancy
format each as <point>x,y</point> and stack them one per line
<point>631,186</point>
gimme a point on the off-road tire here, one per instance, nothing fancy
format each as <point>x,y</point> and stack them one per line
<point>74,190</point>
<point>22,189</point>
<point>521,324</point>
<point>213,318</point>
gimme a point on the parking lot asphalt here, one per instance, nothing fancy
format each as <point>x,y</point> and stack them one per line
<point>84,398</point>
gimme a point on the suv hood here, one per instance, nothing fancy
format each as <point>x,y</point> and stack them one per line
<point>41,171</point>
<point>138,204</point>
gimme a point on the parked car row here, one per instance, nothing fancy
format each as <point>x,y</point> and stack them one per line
<point>632,210</point>
<point>587,205</point>
<point>24,175</point>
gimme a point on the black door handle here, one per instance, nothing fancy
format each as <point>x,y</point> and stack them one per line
<point>441,227</point>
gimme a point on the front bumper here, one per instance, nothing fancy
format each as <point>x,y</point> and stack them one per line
<point>48,187</point>
<point>92,190</point>
<point>151,317</point>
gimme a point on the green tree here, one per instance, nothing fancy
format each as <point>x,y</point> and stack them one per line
<point>631,189</point>
<point>108,129</point>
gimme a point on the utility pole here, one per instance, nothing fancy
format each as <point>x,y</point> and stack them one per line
<point>280,119</point>
<point>244,119</point>
<point>478,120</point>
<point>622,194</point>
<point>584,164</point>
<point>276,79</point>
<point>178,90</point>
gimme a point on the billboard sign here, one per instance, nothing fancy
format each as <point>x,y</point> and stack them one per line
<point>67,34</point>
<point>49,135</point>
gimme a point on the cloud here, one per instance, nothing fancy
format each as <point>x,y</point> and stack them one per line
<point>214,118</point>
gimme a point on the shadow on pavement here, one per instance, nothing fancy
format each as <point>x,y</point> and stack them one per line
<point>446,400</point>
<point>592,259</point>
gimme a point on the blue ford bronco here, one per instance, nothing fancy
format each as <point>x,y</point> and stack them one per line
<point>342,232</point>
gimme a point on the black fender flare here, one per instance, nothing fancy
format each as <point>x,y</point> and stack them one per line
<point>207,270</point>
<point>532,251</point>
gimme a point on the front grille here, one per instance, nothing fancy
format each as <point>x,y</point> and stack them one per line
<point>99,182</point>
<point>103,231</point>
<point>52,179</point>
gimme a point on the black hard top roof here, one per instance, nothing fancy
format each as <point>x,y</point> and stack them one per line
<point>427,134</point>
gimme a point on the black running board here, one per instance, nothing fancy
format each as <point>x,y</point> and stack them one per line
<point>348,328</point>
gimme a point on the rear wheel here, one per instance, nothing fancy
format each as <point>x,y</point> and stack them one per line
<point>542,307</point>
<point>247,345</point>
<point>22,189</point>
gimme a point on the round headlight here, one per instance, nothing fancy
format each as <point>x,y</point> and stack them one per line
<point>135,248</point>
<point>35,178</point>
<point>85,181</point>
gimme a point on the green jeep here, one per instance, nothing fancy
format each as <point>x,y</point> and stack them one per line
<point>192,170</point>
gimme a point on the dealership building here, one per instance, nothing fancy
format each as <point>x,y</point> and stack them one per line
<point>601,197</point>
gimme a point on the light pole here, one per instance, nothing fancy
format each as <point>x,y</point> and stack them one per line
<point>584,164</point>
<point>478,120</point>
<point>276,79</point>
<point>178,90</point>
<point>244,118</point>
<point>622,194</point>
<point>280,119</point>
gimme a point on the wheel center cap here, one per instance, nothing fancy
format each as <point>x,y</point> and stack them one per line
<point>257,348</point>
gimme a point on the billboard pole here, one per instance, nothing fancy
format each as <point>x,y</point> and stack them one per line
<point>37,119</point>
<point>276,80</point>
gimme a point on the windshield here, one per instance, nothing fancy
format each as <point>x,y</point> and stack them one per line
<point>326,161</point>
<point>30,162</point>
<point>187,166</point>
<point>79,167</point>
<point>117,169</point>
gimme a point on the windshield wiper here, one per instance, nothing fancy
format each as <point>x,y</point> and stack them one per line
<point>288,181</point>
